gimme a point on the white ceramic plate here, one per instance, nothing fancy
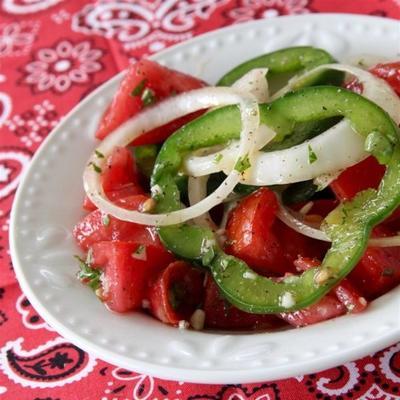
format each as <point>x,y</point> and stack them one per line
<point>48,203</point>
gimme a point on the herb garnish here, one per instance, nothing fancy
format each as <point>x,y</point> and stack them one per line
<point>105,219</point>
<point>137,91</point>
<point>141,248</point>
<point>95,167</point>
<point>312,157</point>
<point>243,164</point>
<point>218,158</point>
<point>99,154</point>
<point>88,275</point>
<point>148,97</point>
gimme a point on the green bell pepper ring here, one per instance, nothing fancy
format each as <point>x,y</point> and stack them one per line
<point>287,62</point>
<point>348,226</point>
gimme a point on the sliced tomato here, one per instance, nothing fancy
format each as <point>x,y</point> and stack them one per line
<point>120,170</point>
<point>366,174</point>
<point>88,204</point>
<point>123,196</point>
<point>176,293</point>
<point>161,82</point>
<point>128,268</point>
<point>98,226</point>
<point>390,72</point>
<point>327,308</point>
<point>249,234</point>
<point>323,207</point>
<point>120,178</point>
<point>355,86</point>
<point>220,314</point>
<point>257,237</point>
<point>350,297</point>
<point>294,244</point>
<point>345,292</point>
<point>378,271</point>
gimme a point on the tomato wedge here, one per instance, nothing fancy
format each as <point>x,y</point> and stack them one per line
<point>128,268</point>
<point>249,234</point>
<point>120,178</point>
<point>98,226</point>
<point>390,72</point>
<point>257,237</point>
<point>345,292</point>
<point>145,83</point>
<point>177,293</point>
<point>220,314</point>
<point>327,308</point>
<point>366,174</point>
<point>378,271</point>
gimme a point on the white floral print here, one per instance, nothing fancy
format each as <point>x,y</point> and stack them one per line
<point>62,66</point>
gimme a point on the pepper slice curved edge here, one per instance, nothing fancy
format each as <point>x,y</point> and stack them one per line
<point>348,226</point>
<point>289,61</point>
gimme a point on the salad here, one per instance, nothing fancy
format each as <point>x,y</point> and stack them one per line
<point>269,199</point>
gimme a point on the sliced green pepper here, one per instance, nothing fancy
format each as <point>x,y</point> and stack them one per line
<point>145,157</point>
<point>348,226</point>
<point>284,63</point>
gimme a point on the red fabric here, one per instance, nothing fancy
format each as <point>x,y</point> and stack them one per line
<point>29,109</point>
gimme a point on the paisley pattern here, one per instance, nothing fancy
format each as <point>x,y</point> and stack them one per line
<point>151,25</point>
<point>30,318</point>
<point>5,103</point>
<point>237,392</point>
<point>247,10</point>
<point>19,7</point>
<point>52,54</point>
<point>13,163</point>
<point>52,364</point>
<point>142,385</point>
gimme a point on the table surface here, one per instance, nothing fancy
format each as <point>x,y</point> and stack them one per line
<point>40,41</point>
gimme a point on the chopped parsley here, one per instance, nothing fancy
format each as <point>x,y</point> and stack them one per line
<point>99,154</point>
<point>105,219</point>
<point>218,158</point>
<point>137,91</point>
<point>95,167</point>
<point>312,157</point>
<point>140,250</point>
<point>388,271</point>
<point>88,275</point>
<point>148,97</point>
<point>243,164</point>
<point>176,295</point>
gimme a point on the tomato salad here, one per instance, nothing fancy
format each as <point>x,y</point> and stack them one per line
<point>266,200</point>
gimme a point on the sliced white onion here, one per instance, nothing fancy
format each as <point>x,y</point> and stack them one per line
<point>159,115</point>
<point>225,159</point>
<point>297,223</point>
<point>337,148</point>
<point>366,61</point>
<point>254,82</point>
<point>323,181</point>
<point>374,88</point>
<point>390,241</point>
<point>197,191</point>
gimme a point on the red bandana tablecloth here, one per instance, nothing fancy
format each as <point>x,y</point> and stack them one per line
<point>41,40</point>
